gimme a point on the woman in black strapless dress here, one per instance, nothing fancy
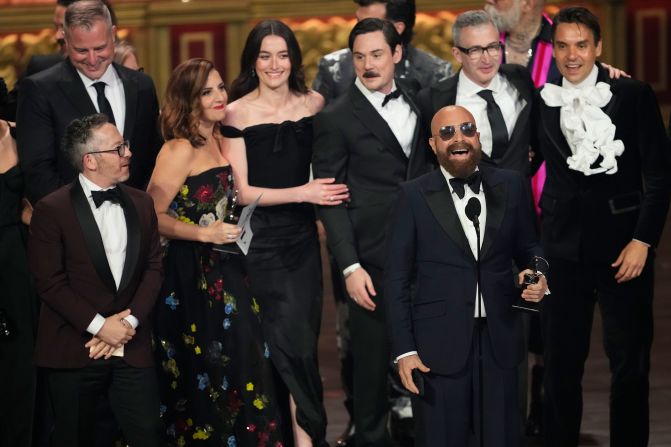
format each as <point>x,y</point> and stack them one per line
<point>214,369</point>
<point>269,130</point>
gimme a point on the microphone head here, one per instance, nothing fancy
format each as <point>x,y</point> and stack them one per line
<point>473,208</point>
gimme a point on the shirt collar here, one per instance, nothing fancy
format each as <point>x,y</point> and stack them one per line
<point>109,77</point>
<point>589,81</point>
<point>88,185</point>
<point>449,176</point>
<point>374,98</point>
<point>470,88</point>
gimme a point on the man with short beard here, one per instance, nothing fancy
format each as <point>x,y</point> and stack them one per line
<point>438,321</point>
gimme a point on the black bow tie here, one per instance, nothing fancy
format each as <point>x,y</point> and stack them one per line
<point>473,181</point>
<point>100,197</point>
<point>393,95</point>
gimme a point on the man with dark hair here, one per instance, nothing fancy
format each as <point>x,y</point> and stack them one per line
<point>369,138</point>
<point>500,97</point>
<point>86,82</point>
<point>449,300</point>
<point>94,252</point>
<point>416,69</point>
<point>603,210</point>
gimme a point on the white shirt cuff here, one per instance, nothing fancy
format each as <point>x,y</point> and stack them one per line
<point>96,325</point>
<point>349,270</point>
<point>644,243</point>
<point>407,354</point>
<point>132,321</point>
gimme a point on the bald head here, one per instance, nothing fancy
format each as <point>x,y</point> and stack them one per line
<point>455,140</point>
<point>450,115</point>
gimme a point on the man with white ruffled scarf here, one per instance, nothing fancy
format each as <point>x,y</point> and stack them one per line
<point>603,209</point>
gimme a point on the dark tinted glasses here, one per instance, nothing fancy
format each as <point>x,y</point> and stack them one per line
<point>467,129</point>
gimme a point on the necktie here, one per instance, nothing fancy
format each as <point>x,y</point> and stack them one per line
<point>473,181</point>
<point>100,197</point>
<point>103,104</point>
<point>393,95</point>
<point>496,122</point>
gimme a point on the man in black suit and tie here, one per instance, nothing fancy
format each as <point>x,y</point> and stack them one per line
<point>438,321</point>
<point>603,210</point>
<point>95,255</point>
<point>85,83</point>
<point>370,139</point>
<point>500,97</point>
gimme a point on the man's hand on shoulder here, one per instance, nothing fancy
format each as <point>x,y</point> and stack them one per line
<point>615,73</point>
<point>116,331</point>
<point>360,288</point>
<point>631,261</point>
<point>405,367</point>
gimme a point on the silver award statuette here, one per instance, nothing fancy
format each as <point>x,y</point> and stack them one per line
<point>230,218</point>
<point>540,267</point>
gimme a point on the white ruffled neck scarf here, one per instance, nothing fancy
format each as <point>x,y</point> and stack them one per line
<point>589,132</point>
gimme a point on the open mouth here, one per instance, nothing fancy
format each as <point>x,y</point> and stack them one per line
<point>459,150</point>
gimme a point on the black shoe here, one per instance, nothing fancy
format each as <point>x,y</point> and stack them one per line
<point>534,425</point>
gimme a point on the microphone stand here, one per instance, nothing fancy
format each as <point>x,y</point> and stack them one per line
<point>476,224</point>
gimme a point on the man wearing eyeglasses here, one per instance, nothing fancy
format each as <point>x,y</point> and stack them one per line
<point>438,321</point>
<point>94,252</point>
<point>500,97</point>
<point>86,82</point>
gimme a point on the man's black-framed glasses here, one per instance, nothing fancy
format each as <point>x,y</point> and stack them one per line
<point>121,149</point>
<point>446,133</point>
<point>476,52</point>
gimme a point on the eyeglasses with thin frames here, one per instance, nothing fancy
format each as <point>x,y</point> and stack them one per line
<point>476,52</point>
<point>467,129</point>
<point>121,149</point>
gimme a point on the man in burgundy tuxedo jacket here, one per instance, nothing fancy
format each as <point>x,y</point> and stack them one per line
<point>95,254</point>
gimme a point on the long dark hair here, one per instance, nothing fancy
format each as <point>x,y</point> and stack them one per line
<point>247,79</point>
<point>181,112</point>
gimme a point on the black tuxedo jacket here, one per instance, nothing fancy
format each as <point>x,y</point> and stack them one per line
<point>354,144</point>
<point>52,98</point>
<point>592,218</point>
<point>67,259</point>
<point>430,271</point>
<point>516,157</point>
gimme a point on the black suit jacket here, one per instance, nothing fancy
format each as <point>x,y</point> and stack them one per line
<point>354,144</point>
<point>430,271</point>
<point>516,157</point>
<point>52,98</point>
<point>592,218</point>
<point>67,259</point>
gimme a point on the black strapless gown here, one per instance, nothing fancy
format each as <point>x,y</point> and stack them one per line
<point>215,375</point>
<point>20,306</point>
<point>284,264</point>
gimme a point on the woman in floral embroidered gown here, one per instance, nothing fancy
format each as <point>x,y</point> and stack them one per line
<point>213,366</point>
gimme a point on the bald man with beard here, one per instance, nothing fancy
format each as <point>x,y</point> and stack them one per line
<point>438,322</point>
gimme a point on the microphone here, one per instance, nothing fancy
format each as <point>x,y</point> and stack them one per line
<point>473,208</point>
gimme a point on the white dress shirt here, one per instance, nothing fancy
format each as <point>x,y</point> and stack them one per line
<point>114,93</point>
<point>401,120</point>
<point>111,223</point>
<point>469,231</point>
<point>506,96</point>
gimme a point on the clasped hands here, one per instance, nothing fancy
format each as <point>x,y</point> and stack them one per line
<point>115,333</point>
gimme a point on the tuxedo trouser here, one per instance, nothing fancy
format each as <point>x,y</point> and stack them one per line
<point>626,312</point>
<point>132,394</point>
<point>370,353</point>
<point>448,415</point>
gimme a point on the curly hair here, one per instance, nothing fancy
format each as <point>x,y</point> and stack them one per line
<point>247,79</point>
<point>181,111</point>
